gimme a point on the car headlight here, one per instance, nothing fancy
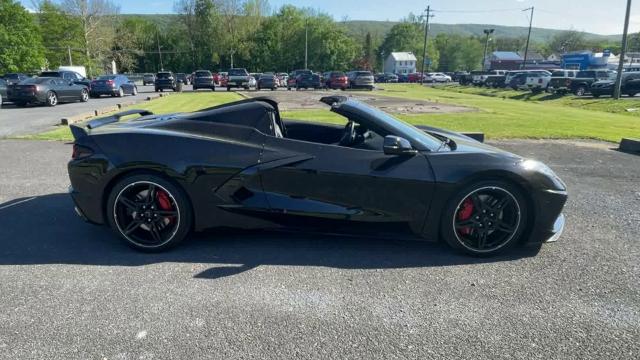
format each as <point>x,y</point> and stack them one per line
<point>540,168</point>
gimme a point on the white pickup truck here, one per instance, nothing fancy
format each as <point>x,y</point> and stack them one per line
<point>537,81</point>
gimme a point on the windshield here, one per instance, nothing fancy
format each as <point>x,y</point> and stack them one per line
<point>106,77</point>
<point>557,73</point>
<point>585,74</point>
<point>238,72</point>
<point>393,126</point>
<point>203,74</point>
<point>164,75</point>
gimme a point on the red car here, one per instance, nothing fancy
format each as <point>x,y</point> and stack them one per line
<point>414,77</point>
<point>222,79</point>
<point>337,80</point>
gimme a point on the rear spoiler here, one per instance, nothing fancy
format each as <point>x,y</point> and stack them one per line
<point>79,131</point>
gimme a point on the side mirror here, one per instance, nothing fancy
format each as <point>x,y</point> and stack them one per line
<point>395,145</point>
<point>71,83</point>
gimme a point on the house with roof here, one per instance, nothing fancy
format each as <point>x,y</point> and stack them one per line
<point>533,57</point>
<point>400,63</point>
<point>503,60</point>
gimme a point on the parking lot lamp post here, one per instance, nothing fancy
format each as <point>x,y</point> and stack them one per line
<point>306,42</point>
<point>487,32</point>
<point>623,52</point>
<point>159,51</point>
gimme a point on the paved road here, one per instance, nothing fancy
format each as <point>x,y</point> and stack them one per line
<point>36,119</point>
<point>73,291</point>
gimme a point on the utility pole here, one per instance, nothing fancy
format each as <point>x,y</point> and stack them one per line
<point>623,52</point>
<point>231,52</point>
<point>526,48</point>
<point>159,51</point>
<point>306,42</point>
<point>69,53</point>
<point>426,36</point>
<point>487,32</point>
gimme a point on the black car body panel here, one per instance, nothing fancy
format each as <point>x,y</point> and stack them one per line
<point>35,90</point>
<point>165,80</point>
<point>243,166</point>
<point>307,79</point>
<point>630,85</point>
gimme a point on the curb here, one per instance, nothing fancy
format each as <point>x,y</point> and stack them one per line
<point>105,110</point>
<point>630,145</point>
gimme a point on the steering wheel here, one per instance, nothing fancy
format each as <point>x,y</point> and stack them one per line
<point>349,135</point>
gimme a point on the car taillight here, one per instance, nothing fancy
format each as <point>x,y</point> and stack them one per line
<point>80,152</point>
<point>110,82</point>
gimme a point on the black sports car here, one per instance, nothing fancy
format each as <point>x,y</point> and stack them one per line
<point>155,178</point>
<point>46,90</point>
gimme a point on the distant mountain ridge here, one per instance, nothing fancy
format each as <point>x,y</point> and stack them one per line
<point>380,28</point>
<point>360,27</point>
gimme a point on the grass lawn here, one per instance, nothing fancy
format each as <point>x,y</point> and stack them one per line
<point>497,117</point>
<point>512,118</point>
<point>604,103</point>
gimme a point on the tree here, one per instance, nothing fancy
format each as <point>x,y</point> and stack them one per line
<point>457,52</point>
<point>96,19</point>
<point>567,41</point>
<point>20,42</point>
<point>409,36</point>
<point>62,35</point>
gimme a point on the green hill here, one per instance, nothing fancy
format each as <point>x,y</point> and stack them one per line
<point>361,27</point>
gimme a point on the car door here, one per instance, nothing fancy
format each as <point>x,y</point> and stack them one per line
<point>350,185</point>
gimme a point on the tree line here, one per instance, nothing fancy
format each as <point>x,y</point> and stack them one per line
<point>216,34</point>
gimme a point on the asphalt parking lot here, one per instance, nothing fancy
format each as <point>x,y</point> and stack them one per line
<point>71,290</point>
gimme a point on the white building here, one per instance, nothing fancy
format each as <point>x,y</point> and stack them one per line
<point>400,63</point>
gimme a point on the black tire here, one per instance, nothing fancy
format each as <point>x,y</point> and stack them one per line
<point>20,104</point>
<point>596,96</point>
<point>143,227</point>
<point>580,91</point>
<point>195,88</point>
<point>52,99</point>
<point>157,90</point>
<point>516,213</point>
<point>213,88</point>
<point>84,95</point>
<point>228,88</point>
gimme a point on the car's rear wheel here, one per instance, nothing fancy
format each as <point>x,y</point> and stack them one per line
<point>580,91</point>
<point>120,92</point>
<point>134,92</point>
<point>52,99</point>
<point>149,213</point>
<point>485,218</point>
<point>84,95</point>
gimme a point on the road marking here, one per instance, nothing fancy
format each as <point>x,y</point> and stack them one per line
<point>17,203</point>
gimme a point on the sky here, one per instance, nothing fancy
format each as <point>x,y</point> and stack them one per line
<point>597,16</point>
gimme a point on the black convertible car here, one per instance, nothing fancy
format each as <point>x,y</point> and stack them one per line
<point>158,177</point>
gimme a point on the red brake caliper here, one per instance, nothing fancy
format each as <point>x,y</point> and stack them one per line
<point>164,203</point>
<point>465,212</point>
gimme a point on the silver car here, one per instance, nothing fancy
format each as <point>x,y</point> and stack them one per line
<point>361,80</point>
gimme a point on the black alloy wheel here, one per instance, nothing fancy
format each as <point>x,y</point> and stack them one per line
<point>150,213</point>
<point>485,219</point>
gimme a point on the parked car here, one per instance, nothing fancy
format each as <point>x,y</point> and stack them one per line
<point>46,90</point>
<point>223,78</point>
<point>256,165</point>
<point>204,79</point>
<point>466,79</point>
<point>282,79</point>
<point>183,77</point>
<point>14,78</point>
<point>581,84</point>
<point>560,81</point>
<point>69,76</point>
<point>415,77</point>
<point>267,81</point>
<point>165,80</point>
<point>148,79</point>
<point>403,78</point>
<point>517,82</point>
<point>3,91</point>
<point>479,78</point>
<point>239,78</point>
<point>361,80</point>
<point>336,80</point>
<point>537,81</point>
<point>307,79</point>
<point>437,78</point>
<point>510,75</point>
<point>387,78</point>
<point>114,85</point>
<point>458,74</point>
<point>629,86</point>
<point>495,81</point>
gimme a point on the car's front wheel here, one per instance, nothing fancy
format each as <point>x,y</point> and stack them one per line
<point>485,218</point>
<point>84,95</point>
<point>150,213</point>
<point>52,99</point>
<point>580,91</point>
